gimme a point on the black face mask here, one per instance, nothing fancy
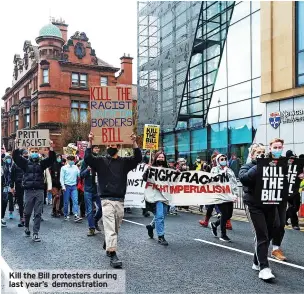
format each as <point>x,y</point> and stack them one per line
<point>112,151</point>
<point>160,162</point>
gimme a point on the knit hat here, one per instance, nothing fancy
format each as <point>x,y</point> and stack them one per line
<point>289,153</point>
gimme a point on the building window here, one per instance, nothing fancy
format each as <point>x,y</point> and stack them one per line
<point>80,111</point>
<point>35,83</point>
<point>16,99</point>
<point>27,115</point>
<point>35,115</point>
<point>103,81</point>
<point>15,124</point>
<point>300,42</point>
<point>45,76</point>
<point>79,80</point>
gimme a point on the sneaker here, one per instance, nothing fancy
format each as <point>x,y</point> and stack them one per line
<point>108,253</point>
<point>255,267</point>
<point>150,231</point>
<point>11,215</point>
<point>16,206</point>
<point>66,218</point>
<point>162,241</point>
<point>296,228</point>
<point>225,239</point>
<point>21,224</point>
<point>266,274</point>
<point>27,232</point>
<point>228,225</point>
<point>91,232</point>
<point>213,229</point>
<point>203,223</point>
<point>3,223</point>
<point>146,214</point>
<point>114,261</point>
<point>36,238</point>
<point>77,219</point>
<point>278,254</point>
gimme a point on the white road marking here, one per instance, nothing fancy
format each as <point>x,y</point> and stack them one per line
<point>6,271</point>
<point>234,249</point>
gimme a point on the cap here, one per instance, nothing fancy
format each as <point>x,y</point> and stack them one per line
<point>289,153</point>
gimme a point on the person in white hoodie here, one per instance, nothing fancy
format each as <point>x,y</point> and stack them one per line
<point>226,208</point>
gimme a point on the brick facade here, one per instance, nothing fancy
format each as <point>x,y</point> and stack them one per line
<point>45,79</point>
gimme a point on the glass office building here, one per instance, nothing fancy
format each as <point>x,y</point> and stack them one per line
<point>199,75</point>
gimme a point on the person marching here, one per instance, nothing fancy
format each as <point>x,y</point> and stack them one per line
<point>33,184</point>
<point>112,172</point>
<point>262,217</point>
<point>90,195</point>
<point>158,203</point>
<point>225,208</point>
<point>68,178</point>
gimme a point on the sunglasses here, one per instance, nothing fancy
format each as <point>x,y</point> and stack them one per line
<point>223,159</point>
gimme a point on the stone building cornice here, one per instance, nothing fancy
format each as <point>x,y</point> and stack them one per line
<point>88,66</point>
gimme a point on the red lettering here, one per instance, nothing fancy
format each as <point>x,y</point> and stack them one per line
<point>148,184</point>
<point>226,189</point>
<point>123,94</point>
<point>173,190</point>
<point>209,189</point>
<point>218,189</point>
<point>202,189</point>
<point>92,94</point>
<point>193,189</point>
<point>187,189</point>
<point>104,135</point>
<point>111,135</point>
<point>179,188</point>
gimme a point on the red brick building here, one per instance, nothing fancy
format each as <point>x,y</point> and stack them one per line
<point>51,82</point>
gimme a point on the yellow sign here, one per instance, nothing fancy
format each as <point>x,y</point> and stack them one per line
<point>151,137</point>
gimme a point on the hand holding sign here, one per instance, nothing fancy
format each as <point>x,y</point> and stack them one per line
<point>133,137</point>
<point>52,145</point>
<point>91,137</point>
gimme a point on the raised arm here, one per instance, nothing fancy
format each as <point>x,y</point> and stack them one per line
<point>85,170</point>
<point>19,159</point>
<point>91,160</point>
<point>134,160</point>
<point>48,162</point>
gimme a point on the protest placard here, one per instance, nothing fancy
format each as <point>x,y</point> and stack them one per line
<point>32,138</point>
<point>111,114</point>
<point>151,137</point>
<point>135,188</point>
<point>278,179</point>
<point>82,146</point>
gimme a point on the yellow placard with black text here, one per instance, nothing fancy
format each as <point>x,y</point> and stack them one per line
<point>151,137</point>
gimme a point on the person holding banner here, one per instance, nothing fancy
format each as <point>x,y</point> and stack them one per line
<point>112,172</point>
<point>158,203</point>
<point>33,184</point>
<point>260,216</point>
<point>225,208</point>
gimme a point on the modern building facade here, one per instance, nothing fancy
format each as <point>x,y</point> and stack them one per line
<point>51,82</point>
<point>213,74</point>
<point>199,64</point>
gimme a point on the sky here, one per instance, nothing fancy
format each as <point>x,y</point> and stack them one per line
<point>111,27</point>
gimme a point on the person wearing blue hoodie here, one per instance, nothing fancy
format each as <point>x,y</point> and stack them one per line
<point>90,194</point>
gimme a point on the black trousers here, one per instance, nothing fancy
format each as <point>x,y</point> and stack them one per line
<point>4,199</point>
<point>293,208</point>
<point>10,201</point>
<point>19,196</point>
<point>262,219</point>
<point>226,210</point>
<point>279,225</point>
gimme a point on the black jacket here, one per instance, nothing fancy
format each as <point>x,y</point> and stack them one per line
<point>16,176</point>
<point>90,185</point>
<point>55,170</point>
<point>247,176</point>
<point>112,173</point>
<point>33,170</point>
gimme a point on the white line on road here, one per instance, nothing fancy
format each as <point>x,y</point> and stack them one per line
<point>233,249</point>
<point>6,271</point>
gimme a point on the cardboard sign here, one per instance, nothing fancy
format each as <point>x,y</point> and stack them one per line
<point>151,137</point>
<point>82,146</point>
<point>33,138</point>
<point>278,179</point>
<point>111,114</point>
<point>136,188</point>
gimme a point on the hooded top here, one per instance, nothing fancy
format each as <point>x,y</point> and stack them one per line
<point>219,170</point>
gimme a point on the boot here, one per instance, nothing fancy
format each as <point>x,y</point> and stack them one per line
<point>228,225</point>
<point>162,241</point>
<point>108,253</point>
<point>150,231</point>
<point>205,222</point>
<point>114,261</point>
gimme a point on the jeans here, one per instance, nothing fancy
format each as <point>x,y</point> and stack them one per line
<point>158,221</point>
<point>70,192</point>
<point>49,196</point>
<point>89,199</point>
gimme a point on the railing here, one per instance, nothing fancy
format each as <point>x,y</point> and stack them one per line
<point>239,204</point>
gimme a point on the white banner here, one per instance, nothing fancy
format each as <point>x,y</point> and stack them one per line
<point>187,188</point>
<point>136,188</point>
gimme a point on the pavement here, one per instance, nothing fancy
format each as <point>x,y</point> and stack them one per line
<point>194,261</point>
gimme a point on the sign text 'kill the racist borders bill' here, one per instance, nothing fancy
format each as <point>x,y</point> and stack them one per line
<point>151,137</point>
<point>32,138</point>
<point>111,114</point>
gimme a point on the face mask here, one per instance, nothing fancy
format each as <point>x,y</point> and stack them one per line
<point>148,157</point>
<point>58,160</point>
<point>34,155</point>
<point>71,163</point>
<point>277,154</point>
<point>223,163</point>
<point>112,151</point>
<point>160,162</point>
<point>9,161</point>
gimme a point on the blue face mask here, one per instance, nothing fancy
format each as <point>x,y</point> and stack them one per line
<point>59,160</point>
<point>223,163</point>
<point>9,161</point>
<point>276,153</point>
<point>34,155</point>
<point>71,163</point>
